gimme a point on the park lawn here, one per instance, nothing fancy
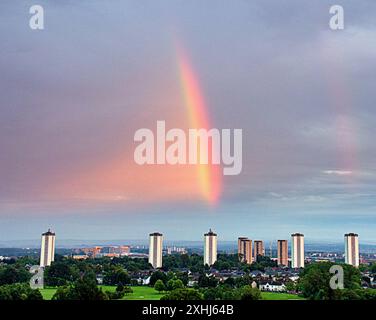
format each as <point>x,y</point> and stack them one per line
<point>280,296</point>
<point>149,293</point>
<point>139,293</point>
<point>47,293</point>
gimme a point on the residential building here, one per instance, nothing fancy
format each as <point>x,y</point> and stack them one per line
<point>245,249</point>
<point>352,249</point>
<point>47,250</point>
<point>210,248</point>
<point>258,249</point>
<point>282,252</point>
<point>297,250</point>
<point>155,249</point>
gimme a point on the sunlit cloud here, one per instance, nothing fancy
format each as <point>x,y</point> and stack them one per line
<point>338,172</point>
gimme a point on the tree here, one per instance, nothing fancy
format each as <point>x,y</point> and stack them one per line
<point>314,281</point>
<point>183,276</point>
<point>84,288</point>
<point>230,282</point>
<point>224,292</point>
<point>290,286</point>
<point>158,275</point>
<point>12,274</point>
<point>205,281</point>
<point>243,281</point>
<point>118,294</point>
<point>115,275</point>
<point>174,283</point>
<point>60,273</point>
<point>159,286</point>
<point>19,291</point>
<point>212,294</point>
<point>248,293</point>
<point>128,290</point>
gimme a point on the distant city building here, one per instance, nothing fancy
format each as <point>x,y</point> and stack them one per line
<point>114,251</point>
<point>47,250</point>
<point>282,252</point>
<point>80,256</point>
<point>297,250</point>
<point>155,249</point>
<point>106,251</point>
<point>245,249</point>
<point>174,249</point>
<point>352,249</point>
<point>91,252</point>
<point>124,250</point>
<point>210,248</point>
<point>258,248</point>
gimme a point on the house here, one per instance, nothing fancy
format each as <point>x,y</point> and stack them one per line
<point>273,286</point>
<point>192,283</point>
<point>294,278</point>
<point>373,283</point>
<point>99,278</point>
<point>144,281</point>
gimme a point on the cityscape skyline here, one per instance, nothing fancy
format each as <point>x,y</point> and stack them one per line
<point>246,253</point>
<point>262,242</point>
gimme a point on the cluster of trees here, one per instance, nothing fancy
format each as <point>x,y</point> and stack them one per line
<point>219,293</point>
<point>183,294</point>
<point>19,291</point>
<point>368,267</point>
<point>207,288</point>
<point>232,261</point>
<point>66,270</point>
<point>10,274</point>
<point>115,275</point>
<point>85,288</point>
<point>239,288</point>
<point>130,264</point>
<point>209,281</point>
<point>224,292</point>
<point>169,280</point>
<point>76,280</point>
<point>61,272</point>
<point>14,281</point>
<point>194,263</point>
<point>314,284</point>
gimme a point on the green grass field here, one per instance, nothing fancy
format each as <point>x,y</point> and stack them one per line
<point>47,293</point>
<point>280,296</point>
<point>148,293</point>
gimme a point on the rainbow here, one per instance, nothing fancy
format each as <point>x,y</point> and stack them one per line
<point>345,125</point>
<point>209,176</point>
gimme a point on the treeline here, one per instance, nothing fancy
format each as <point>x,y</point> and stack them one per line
<point>194,263</point>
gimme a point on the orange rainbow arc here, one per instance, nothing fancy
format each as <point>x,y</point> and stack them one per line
<point>209,176</point>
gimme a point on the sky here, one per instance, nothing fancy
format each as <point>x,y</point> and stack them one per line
<point>73,95</point>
